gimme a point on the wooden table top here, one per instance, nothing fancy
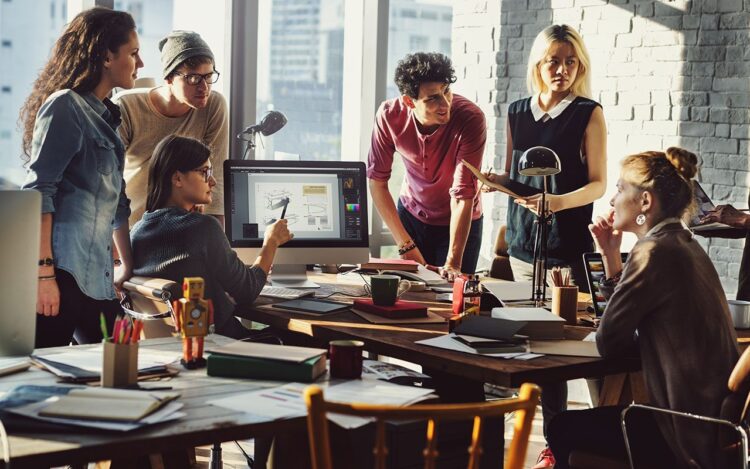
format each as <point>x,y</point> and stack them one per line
<point>398,342</point>
<point>203,425</point>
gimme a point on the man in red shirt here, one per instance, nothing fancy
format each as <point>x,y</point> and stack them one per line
<point>438,221</point>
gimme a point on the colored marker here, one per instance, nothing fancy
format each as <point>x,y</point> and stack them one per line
<point>103,325</point>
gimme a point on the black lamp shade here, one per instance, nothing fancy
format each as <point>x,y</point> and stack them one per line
<point>271,123</point>
<point>539,161</point>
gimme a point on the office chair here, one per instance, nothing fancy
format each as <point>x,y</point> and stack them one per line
<point>524,407</point>
<point>730,448</point>
<point>150,300</point>
<point>500,267</point>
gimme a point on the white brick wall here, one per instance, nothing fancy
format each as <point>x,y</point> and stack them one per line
<point>667,73</point>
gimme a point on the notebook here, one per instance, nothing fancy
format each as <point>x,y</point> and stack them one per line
<point>592,263</point>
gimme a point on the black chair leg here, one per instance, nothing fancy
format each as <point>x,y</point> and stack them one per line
<point>216,457</point>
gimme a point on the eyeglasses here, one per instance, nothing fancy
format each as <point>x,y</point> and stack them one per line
<point>207,171</point>
<point>195,78</point>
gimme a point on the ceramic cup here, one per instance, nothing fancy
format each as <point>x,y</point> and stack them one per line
<point>346,358</point>
<point>740,312</point>
<point>387,288</point>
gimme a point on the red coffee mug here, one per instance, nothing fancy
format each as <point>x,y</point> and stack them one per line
<point>346,358</point>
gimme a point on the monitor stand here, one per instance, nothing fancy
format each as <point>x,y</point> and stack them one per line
<point>291,276</point>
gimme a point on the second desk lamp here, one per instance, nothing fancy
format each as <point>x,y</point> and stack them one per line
<point>540,161</point>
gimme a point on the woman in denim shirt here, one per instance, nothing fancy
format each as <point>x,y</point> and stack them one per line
<point>76,162</point>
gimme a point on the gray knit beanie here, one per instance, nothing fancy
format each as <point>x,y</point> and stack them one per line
<point>179,46</point>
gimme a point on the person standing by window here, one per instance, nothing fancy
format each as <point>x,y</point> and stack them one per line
<point>76,161</point>
<point>438,221</point>
<point>184,105</point>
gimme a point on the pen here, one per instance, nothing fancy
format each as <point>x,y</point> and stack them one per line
<point>286,204</point>
<point>103,325</point>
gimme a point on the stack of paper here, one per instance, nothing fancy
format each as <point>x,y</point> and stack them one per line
<point>540,323</point>
<point>111,409</point>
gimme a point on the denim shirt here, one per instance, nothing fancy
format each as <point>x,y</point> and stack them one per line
<point>77,161</point>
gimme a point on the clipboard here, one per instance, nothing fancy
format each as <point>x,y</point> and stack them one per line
<point>514,189</point>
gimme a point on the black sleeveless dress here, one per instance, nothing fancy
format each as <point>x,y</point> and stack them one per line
<point>569,236</point>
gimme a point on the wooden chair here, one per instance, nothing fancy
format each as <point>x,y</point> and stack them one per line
<point>524,407</point>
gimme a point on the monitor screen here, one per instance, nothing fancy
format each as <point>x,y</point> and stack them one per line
<point>325,203</point>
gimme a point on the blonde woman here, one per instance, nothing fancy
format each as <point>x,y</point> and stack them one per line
<point>560,115</point>
<point>667,303</point>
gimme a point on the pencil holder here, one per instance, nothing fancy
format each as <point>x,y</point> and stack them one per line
<point>120,365</point>
<point>565,303</point>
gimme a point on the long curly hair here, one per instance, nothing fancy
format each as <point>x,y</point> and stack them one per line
<point>76,61</point>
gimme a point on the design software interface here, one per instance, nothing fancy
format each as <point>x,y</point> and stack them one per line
<point>323,204</point>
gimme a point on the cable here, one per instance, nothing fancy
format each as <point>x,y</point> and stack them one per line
<point>248,458</point>
<point>6,445</point>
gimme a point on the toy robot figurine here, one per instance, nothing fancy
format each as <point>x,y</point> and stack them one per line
<point>193,315</point>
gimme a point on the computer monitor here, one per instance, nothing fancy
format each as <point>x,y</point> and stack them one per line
<point>21,213</point>
<point>326,207</point>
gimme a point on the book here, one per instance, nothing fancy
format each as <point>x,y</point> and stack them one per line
<point>513,188</point>
<point>288,353</point>
<point>483,346</point>
<point>242,359</point>
<point>488,328</point>
<point>404,265</point>
<point>232,366</point>
<point>539,323</point>
<point>401,309</point>
<point>118,405</point>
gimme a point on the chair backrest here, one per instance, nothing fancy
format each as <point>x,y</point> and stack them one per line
<point>150,299</point>
<point>500,267</point>
<point>524,406</point>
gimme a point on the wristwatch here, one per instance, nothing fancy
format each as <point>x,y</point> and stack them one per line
<point>46,261</point>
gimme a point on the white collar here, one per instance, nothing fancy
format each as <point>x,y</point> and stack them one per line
<point>538,113</point>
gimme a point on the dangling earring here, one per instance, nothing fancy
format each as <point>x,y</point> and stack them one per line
<point>640,219</point>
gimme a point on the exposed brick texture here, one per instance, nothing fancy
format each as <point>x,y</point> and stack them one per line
<point>666,72</point>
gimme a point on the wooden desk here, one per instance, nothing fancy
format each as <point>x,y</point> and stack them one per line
<point>398,342</point>
<point>204,424</point>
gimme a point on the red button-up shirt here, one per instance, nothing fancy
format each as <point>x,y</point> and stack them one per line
<point>434,173</point>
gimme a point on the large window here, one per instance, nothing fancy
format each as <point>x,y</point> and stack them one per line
<point>300,73</point>
<point>156,18</point>
<point>27,37</point>
<point>414,26</point>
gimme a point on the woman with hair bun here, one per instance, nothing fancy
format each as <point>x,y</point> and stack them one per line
<point>668,304</point>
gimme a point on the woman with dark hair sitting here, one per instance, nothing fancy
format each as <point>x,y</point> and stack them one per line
<point>173,240</point>
<point>667,303</point>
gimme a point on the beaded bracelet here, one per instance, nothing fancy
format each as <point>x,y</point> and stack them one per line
<point>406,249</point>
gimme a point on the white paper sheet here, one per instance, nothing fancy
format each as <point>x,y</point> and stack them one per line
<point>449,343</point>
<point>287,401</point>
<point>90,359</point>
<point>165,414</point>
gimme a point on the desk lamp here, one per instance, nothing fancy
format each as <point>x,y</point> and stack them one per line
<point>540,161</point>
<point>271,123</point>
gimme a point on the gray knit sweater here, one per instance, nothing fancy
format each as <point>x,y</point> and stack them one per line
<point>172,243</point>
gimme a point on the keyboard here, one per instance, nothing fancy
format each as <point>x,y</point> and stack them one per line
<point>283,293</point>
